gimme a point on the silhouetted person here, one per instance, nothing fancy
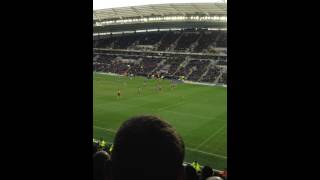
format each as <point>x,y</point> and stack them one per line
<point>147,148</point>
<point>101,166</point>
<point>95,148</point>
<point>206,172</point>
<point>191,173</point>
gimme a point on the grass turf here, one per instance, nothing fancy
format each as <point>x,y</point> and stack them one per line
<point>199,113</point>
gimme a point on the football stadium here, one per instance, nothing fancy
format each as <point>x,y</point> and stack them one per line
<point>169,61</point>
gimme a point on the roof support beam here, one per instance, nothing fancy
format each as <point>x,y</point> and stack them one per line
<point>135,10</point>
<point>95,14</point>
<point>200,10</point>
<point>171,5</point>
<point>113,9</point>
<point>155,9</point>
<point>161,10</point>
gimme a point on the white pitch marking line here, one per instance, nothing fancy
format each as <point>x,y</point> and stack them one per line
<point>189,114</point>
<point>206,140</point>
<point>187,148</point>
<point>109,130</point>
<point>173,105</point>
<point>207,153</point>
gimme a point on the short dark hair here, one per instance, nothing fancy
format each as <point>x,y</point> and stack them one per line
<point>146,147</point>
<point>95,148</point>
<point>101,166</point>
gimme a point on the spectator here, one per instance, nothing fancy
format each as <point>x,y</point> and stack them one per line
<point>95,147</point>
<point>103,143</point>
<point>190,173</point>
<point>206,172</point>
<point>196,166</point>
<point>147,148</point>
<point>101,166</point>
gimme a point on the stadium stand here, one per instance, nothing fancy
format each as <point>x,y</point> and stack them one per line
<point>124,41</point>
<point>201,40</point>
<point>168,39</point>
<point>197,69</point>
<point>211,74</point>
<point>104,42</point>
<point>171,65</point>
<point>176,59</point>
<point>223,78</point>
<point>174,64</point>
<point>222,39</point>
<point>207,38</point>
<point>186,40</point>
<point>150,38</point>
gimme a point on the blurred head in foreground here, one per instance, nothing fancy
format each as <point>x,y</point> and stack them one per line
<point>145,148</point>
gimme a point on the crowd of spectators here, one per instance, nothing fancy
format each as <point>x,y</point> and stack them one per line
<point>168,39</point>
<point>206,39</point>
<point>223,78</point>
<point>182,40</point>
<point>186,40</point>
<point>169,54</point>
<point>212,74</point>
<point>150,38</point>
<point>198,68</point>
<point>193,69</point>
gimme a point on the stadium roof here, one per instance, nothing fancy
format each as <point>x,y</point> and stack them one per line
<point>178,9</point>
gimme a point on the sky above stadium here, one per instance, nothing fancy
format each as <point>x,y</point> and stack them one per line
<point>103,4</point>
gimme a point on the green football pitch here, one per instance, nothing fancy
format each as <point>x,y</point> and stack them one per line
<point>198,113</point>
